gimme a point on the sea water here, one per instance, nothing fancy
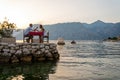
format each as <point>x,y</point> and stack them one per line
<point>85,60</point>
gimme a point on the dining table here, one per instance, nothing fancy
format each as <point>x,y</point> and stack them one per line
<point>36,33</point>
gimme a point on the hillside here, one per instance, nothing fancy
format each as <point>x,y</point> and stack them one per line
<point>98,30</point>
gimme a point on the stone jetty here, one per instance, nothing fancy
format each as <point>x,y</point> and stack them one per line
<point>27,52</point>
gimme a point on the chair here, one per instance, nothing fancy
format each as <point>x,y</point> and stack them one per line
<point>46,37</point>
<point>24,37</point>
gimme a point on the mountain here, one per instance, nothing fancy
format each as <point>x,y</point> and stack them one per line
<point>98,23</point>
<point>97,30</point>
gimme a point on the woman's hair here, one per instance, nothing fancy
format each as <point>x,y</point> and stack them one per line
<point>42,27</point>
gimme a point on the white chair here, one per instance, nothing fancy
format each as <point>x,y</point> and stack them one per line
<point>46,37</point>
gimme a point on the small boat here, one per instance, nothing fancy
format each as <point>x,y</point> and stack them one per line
<point>61,41</point>
<point>73,42</point>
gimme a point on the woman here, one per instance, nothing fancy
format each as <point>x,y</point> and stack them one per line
<point>41,30</point>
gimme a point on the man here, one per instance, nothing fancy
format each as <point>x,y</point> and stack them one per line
<point>26,33</point>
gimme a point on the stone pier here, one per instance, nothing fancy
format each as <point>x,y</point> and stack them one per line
<point>27,52</point>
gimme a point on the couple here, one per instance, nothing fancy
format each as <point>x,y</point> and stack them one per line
<point>32,28</point>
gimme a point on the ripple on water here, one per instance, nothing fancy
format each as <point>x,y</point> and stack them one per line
<point>91,60</point>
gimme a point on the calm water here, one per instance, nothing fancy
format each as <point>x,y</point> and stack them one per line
<point>86,60</point>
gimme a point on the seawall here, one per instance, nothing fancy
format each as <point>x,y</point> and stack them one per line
<point>27,52</point>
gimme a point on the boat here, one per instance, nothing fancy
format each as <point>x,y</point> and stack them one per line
<point>61,41</point>
<point>73,42</point>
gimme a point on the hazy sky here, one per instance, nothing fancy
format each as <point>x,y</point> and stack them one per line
<point>23,12</point>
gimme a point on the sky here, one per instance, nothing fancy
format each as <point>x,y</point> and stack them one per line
<point>23,12</point>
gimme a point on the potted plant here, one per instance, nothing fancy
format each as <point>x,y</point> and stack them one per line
<point>6,29</point>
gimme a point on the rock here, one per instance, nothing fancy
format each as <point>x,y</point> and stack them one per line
<point>6,47</point>
<point>1,47</point>
<point>27,52</point>
<point>33,47</point>
<point>47,47</point>
<point>42,46</point>
<point>12,51</point>
<point>56,56</point>
<point>29,46</point>
<point>11,45</point>
<point>18,52</point>
<point>6,50</point>
<point>41,59</point>
<point>4,44</point>
<point>14,59</point>
<point>6,54</point>
<point>43,50</point>
<point>17,48</point>
<point>26,58</point>
<point>4,59</point>
<point>49,55</point>
<point>33,51</point>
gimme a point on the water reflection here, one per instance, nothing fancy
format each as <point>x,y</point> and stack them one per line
<point>29,71</point>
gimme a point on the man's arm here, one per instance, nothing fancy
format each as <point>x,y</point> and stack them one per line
<point>34,28</point>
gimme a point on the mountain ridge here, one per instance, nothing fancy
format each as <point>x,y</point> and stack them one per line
<point>97,30</point>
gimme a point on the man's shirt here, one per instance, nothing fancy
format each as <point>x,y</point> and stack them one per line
<point>28,30</point>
